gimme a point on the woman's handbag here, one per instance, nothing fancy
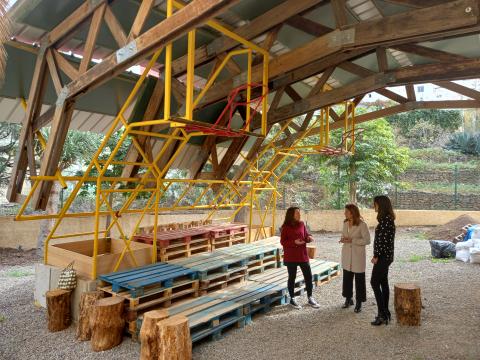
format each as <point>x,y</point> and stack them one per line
<point>68,278</point>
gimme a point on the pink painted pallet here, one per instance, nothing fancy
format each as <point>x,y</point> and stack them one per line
<point>226,235</point>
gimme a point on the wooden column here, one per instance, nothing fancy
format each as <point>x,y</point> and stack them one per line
<point>149,335</point>
<point>58,309</point>
<point>174,339</point>
<point>408,304</point>
<point>107,323</point>
<point>87,301</point>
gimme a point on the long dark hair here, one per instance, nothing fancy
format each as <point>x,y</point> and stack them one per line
<point>290,216</point>
<point>384,207</point>
<point>355,214</point>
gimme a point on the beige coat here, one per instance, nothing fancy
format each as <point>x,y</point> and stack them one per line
<point>353,254</point>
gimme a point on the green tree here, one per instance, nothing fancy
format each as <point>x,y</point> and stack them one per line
<point>9,134</point>
<point>372,170</point>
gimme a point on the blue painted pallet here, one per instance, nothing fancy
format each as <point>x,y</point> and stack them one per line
<point>155,275</point>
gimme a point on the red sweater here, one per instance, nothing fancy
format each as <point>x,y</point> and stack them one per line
<point>292,251</point>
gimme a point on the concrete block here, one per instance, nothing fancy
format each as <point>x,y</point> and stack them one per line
<point>46,278</point>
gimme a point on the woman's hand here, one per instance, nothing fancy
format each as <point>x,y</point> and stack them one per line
<point>299,242</point>
<point>374,260</point>
<point>346,240</point>
<point>310,238</point>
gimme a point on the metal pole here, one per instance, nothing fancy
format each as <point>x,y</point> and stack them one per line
<point>455,178</point>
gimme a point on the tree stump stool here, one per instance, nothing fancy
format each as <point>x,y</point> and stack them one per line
<point>408,304</point>
<point>149,334</point>
<point>58,309</point>
<point>174,339</point>
<point>107,323</point>
<point>87,301</point>
<point>312,251</point>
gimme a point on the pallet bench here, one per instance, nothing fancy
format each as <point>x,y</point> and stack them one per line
<point>226,235</point>
<point>259,257</point>
<point>215,270</point>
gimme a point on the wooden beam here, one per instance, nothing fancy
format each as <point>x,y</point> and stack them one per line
<point>428,23</point>
<point>115,27</point>
<point>339,12</point>
<point>292,93</point>
<point>140,19</point>
<point>429,53</point>
<point>410,92</point>
<point>72,22</point>
<point>459,89</point>
<point>52,69</point>
<point>53,151</point>
<point>267,43</point>
<point>308,26</point>
<point>44,119</point>
<point>417,3</point>
<point>254,28</point>
<point>65,65</point>
<point>92,38</point>
<point>34,104</point>
<point>408,75</point>
<point>382,59</point>
<point>191,16</point>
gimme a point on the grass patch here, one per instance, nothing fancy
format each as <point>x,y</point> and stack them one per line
<point>417,258</point>
<point>19,273</point>
<point>442,261</point>
<point>421,236</point>
<point>2,318</point>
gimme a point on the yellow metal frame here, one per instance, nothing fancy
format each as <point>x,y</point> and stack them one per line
<point>152,181</point>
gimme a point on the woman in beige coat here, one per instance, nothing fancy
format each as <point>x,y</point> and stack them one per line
<point>355,236</point>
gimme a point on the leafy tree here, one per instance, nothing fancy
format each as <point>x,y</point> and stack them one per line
<point>9,134</point>
<point>424,128</point>
<point>370,171</point>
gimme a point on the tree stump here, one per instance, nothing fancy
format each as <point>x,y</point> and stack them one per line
<point>312,251</point>
<point>408,304</point>
<point>107,323</point>
<point>149,334</point>
<point>174,339</point>
<point>87,301</point>
<point>58,309</point>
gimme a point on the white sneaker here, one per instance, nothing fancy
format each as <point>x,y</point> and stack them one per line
<point>294,304</point>
<point>313,303</point>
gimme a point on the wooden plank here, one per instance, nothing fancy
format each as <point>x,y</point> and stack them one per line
<point>267,43</point>
<point>34,104</point>
<point>65,65</point>
<point>52,68</point>
<point>72,22</point>
<point>308,26</point>
<point>53,151</point>
<point>91,38</point>
<point>417,3</point>
<point>140,19</point>
<point>191,16</point>
<point>115,27</point>
<point>43,119</point>
<point>339,12</point>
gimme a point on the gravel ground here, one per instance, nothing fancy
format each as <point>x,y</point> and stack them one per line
<point>450,320</point>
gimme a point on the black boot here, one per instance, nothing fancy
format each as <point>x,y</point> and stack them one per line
<point>389,315</point>
<point>348,303</point>
<point>358,307</point>
<point>379,320</point>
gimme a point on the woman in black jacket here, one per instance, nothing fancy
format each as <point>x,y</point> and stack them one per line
<point>382,257</point>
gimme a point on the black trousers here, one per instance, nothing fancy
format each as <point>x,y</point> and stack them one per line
<point>360,287</point>
<point>379,282</point>
<point>292,275</point>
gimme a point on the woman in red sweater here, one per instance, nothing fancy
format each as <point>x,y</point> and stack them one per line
<point>294,238</point>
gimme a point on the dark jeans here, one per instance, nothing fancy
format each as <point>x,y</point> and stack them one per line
<point>380,286</point>
<point>360,287</point>
<point>292,275</point>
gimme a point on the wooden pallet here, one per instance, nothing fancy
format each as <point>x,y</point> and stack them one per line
<point>273,241</point>
<point>226,235</point>
<point>175,244</point>
<point>259,257</point>
<point>215,270</point>
<point>322,272</point>
<point>138,281</point>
